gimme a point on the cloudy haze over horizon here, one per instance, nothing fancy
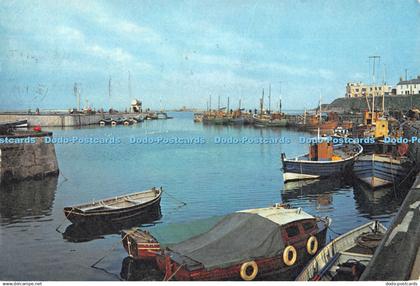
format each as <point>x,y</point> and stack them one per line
<point>178,53</point>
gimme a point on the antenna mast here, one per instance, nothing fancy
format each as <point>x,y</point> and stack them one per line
<point>373,85</point>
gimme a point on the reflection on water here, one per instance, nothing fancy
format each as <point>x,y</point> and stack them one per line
<point>28,200</point>
<point>87,232</point>
<point>132,270</point>
<point>212,179</point>
<point>380,203</point>
<point>318,193</point>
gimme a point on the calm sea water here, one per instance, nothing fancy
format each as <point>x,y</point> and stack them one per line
<point>212,179</point>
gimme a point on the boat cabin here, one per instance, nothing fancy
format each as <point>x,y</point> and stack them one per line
<point>322,151</point>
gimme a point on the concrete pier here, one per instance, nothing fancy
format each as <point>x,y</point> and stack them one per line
<point>24,155</point>
<point>53,119</point>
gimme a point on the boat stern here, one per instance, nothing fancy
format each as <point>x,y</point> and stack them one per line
<point>139,244</point>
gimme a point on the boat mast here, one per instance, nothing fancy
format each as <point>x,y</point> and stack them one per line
<point>269,98</point>
<point>383,91</point>
<point>210,102</point>
<point>320,116</point>
<point>227,111</point>
<point>373,83</point>
<point>280,105</point>
<point>262,103</point>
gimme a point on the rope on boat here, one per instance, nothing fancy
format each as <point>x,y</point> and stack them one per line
<point>334,231</point>
<point>173,274</point>
<point>408,175</point>
<point>65,179</point>
<point>174,198</point>
<point>112,249</point>
<point>58,227</point>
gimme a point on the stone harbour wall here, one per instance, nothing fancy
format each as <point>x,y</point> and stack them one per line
<point>53,120</point>
<point>23,161</point>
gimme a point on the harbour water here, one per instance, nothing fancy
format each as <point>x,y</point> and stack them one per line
<point>212,179</point>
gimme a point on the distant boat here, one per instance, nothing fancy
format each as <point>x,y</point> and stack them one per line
<point>323,160</point>
<point>270,121</point>
<point>346,257</point>
<point>198,117</point>
<point>114,210</point>
<point>162,115</point>
<point>381,170</point>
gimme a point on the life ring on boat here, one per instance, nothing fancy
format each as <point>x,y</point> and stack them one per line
<point>244,273</point>
<point>312,245</point>
<point>289,261</point>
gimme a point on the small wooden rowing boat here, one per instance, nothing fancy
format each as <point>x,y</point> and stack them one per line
<point>346,257</point>
<point>114,210</point>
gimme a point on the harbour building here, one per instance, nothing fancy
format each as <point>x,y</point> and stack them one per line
<point>412,86</point>
<point>359,89</point>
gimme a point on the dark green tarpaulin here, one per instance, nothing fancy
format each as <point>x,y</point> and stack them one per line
<point>237,238</point>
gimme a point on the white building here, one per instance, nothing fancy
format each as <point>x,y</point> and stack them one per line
<point>411,86</point>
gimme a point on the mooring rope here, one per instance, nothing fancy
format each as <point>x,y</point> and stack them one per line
<point>334,231</point>
<point>173,274</point>
<point>112,249</point>
<point>174,198</point>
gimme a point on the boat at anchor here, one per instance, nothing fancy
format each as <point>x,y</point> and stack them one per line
<point>115,210</point>
<point>244,245</point>
<point>346,257</point>
<point>324,159</point>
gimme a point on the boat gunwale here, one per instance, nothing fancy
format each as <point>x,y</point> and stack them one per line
<point>314,263</point>
<point>77,210</point>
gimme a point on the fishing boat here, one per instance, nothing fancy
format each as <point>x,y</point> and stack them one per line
<point>269,120</point>
<point>114,210</point>
<point>198,117</point>
<point>105,121</point>
<point>346,257</point>
<point>324,159</point>
<point>381,170</point>
<point>246,245</point>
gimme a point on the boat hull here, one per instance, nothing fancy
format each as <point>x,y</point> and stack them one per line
<point>379,171</point>
<point>266,266</point>
<point>115,216</point>
<point>301,170</point>
<point>346,242</point>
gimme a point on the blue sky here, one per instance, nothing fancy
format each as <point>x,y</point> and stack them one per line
<point>180,52</point>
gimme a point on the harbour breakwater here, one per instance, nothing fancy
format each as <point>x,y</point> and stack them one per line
<point>27,161</point>
<point>53,119</point>
<point>358,104</point>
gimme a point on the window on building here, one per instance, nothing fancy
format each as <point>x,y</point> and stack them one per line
<point>357,90</point>
<point>380,88</point>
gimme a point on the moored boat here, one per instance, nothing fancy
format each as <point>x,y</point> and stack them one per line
<point>346,257</point>
<point>246,245</point>
<point>323,160</point>
<point>114,210</point>
<point>381,170</point>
